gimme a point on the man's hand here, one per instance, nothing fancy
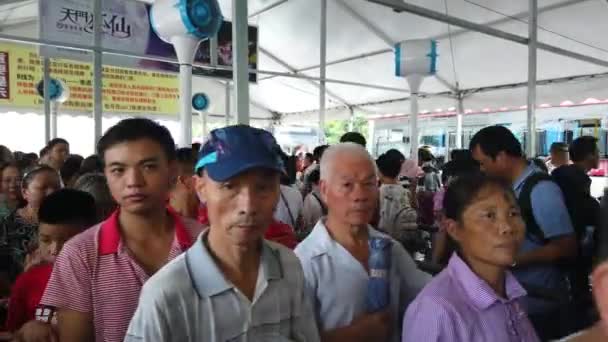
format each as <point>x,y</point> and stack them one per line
<point>375,326</point>
<point>35,331</point>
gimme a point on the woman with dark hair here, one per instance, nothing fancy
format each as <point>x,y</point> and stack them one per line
<point>476,298</point>
<point>10,188</point>
<point>20,228</point>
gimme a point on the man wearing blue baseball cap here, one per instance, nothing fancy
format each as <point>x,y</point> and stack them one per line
<point>232,285</point>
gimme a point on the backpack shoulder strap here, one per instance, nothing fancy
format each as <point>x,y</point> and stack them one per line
<point>533,230</point>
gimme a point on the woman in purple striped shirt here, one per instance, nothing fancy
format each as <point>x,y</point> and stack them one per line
<point>476,298</point>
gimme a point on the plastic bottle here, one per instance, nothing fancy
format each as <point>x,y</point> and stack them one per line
<point>378,287</point>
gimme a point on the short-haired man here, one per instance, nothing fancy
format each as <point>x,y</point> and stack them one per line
<point>335,255</point>
<point>353,137</point>
<point>550,235</point>
<point>99,274</point>
<point>231,285</point>
<point>62,215</point>
<point>183,195</point>
<point>58,153</point>
<point>558,156</point>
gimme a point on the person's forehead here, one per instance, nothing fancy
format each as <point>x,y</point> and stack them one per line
<point>352,164</point>
<point>133,151</point>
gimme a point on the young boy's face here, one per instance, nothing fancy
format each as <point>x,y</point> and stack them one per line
<point>52,237</point>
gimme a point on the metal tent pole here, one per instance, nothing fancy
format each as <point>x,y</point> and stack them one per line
<point>47,99</point>
<point>460,109</point>
<point>323,60</point>
<point>227,99</point>
<point>240,52</point>
<point>97,74</point>
<point>532,63</point>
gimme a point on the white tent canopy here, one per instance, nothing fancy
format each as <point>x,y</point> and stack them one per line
<point>361,34</point>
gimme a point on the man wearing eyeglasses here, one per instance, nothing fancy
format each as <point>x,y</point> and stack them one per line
<point>231,285</point>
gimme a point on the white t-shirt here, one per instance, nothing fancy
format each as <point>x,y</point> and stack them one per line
<point>289,207</point>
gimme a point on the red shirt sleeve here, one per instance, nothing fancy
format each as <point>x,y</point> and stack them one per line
<point>17,304</point>
<point>25,296</point>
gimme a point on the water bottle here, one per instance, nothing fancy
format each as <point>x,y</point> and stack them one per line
<point>378,286</point>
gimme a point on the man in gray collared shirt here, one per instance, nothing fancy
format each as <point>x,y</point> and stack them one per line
<point>232,285</point>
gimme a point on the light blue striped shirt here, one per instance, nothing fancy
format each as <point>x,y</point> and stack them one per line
<point>190,300</point>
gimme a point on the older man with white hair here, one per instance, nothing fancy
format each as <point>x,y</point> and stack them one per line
<point>335,255</point>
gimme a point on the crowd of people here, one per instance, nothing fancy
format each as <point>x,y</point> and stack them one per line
<point>234,240</point>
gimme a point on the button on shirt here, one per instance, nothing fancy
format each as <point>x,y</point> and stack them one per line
<point>458,306</point>
<point>95,273</point>
<point>337,282</point>
<point>191,300</point>
<point>550,212</point>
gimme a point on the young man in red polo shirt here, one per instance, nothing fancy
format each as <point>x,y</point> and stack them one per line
<point>62,215</point>
<point>98,276</point>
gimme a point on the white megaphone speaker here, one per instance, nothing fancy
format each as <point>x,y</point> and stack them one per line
<point>415,60</point>
<point>59,93</point>
<point>200,103</point>
<point>184,24</point>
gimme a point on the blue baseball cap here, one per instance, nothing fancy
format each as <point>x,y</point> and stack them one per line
<point>232,150</point>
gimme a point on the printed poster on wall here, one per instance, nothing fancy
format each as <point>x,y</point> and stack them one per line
<point>124,90</point>
<point>126,28</point>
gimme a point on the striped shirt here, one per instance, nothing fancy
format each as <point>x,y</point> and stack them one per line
<point>190,299</point>
<point>95,273</point>
<point>458,306</point>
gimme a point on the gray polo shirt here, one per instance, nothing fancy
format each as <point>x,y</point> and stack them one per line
<point>190,300</point>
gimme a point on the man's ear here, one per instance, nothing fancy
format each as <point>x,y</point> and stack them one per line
<point>323,188</point>
<point>200,185</point>
<point>173,173</point>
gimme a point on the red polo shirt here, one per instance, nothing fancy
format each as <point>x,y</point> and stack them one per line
<point>95,273</point>
<point>26,294</point>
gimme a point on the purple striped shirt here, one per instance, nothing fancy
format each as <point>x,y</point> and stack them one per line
<point>458,306</point>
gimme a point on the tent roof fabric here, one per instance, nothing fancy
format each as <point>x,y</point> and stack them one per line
<point>289,35</point>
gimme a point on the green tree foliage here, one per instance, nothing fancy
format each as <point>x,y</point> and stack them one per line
<point>336,128</point>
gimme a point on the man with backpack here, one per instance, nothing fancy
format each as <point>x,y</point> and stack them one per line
<point>584,211</point>
<point>397,217</point>
<point>550,238</point>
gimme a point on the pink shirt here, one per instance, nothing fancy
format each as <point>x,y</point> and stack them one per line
<point>95,273</point>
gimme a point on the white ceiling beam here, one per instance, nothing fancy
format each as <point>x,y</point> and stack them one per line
<point>365,22</point>
<point>267,8</point>
<point>291,69</point>
<point>521,15</point>
<point>401,6</point>
<point>375,30</point>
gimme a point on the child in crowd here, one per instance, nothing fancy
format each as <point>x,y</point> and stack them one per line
<point>62,215</point>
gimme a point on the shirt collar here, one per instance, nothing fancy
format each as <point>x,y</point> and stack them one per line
<point>323,243</point>
<point>109,234</point>
<point>530,169</point>
<point>477,290</point>
<point>209,280</point>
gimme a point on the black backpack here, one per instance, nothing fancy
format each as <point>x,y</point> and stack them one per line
<point>576,270</point>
